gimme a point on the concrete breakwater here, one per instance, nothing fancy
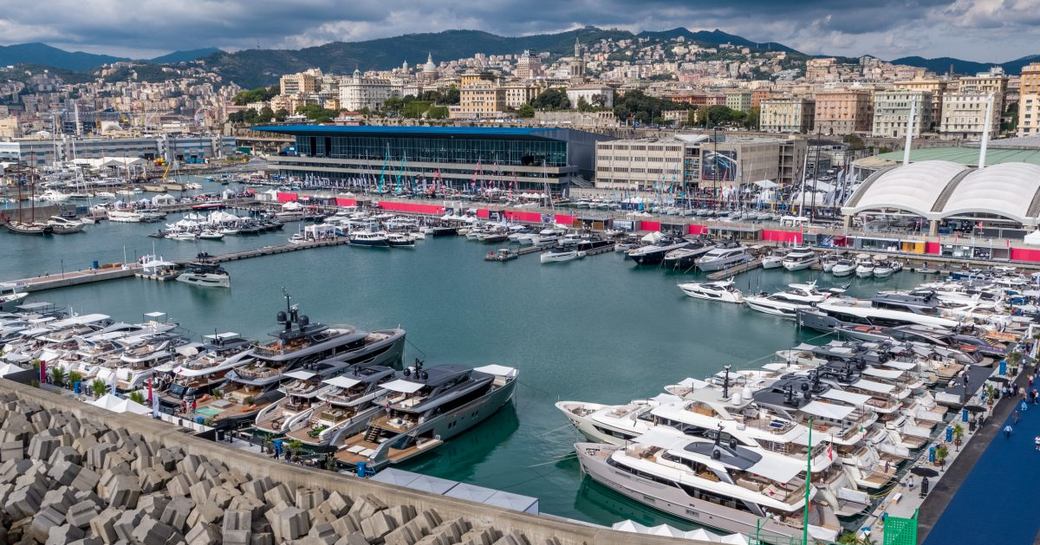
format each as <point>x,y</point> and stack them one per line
<point>73,473</point>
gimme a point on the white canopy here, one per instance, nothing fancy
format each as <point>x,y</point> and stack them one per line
<point>872,386</point>
<point>777,468</point>
<point>119,405</point>
<point>1032,239</point>
<point>766,184</point>
<point>9,369</point>
<point>663,437</point>
<point>847,397</point>
<point>300,374</point>
<point>828,410</point>
<point>497,370</point>
<point>403,386</point>
<point>889,374</point>
<point>343,382</point>
<point>904,365</point>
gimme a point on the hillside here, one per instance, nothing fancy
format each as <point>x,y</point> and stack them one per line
<point>44,55</point>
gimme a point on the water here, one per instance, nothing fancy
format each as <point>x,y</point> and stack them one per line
<point>597,329</point>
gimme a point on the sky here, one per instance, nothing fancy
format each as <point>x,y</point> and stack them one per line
<point>981,30</point>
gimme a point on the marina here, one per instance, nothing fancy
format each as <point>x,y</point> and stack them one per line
<point>517,431</point>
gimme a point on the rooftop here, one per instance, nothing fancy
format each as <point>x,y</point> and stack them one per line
<point>421,131</point>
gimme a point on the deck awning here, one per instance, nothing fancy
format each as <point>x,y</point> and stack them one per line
<point>872,386</point>
<point>847,397</point>
<point>497,370</point>
<point>777,469</point>
<point>828,410</point>
<point>889,374</point>
<point>902,365</point>
<point>403,386</point>
<point>342,382</point>
<point>300,374</point>
<point>664,437</point>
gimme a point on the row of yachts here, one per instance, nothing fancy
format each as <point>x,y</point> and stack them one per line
<point>335,389</point>
<point>731,451</point>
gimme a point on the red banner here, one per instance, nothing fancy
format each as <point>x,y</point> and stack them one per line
<point>697,229</point>
<point>1025,254</point>
<point>287,197</point>
<point>649,226</point>
<point>411,207</point>
<point>776,235</point>
<point>340,201</point>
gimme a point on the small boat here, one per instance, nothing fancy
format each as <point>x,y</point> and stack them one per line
<point>205,273</point>
<point>444,231</point>
<point>843,268</point>
<point>772,261</point>
<point>827,263</point>
<point>723,257</point>
<point>501,255</point>
<point>775,306</point>
<point>723,290</point>
<point>377,239</point>
<point>21,228</point>
<point>10,297</point>
<point>558,255</point>
<point>400,240</point>
<point>181,235</point>
<point>211,235</point>
<point>925,269</point>
<point>297,238</point>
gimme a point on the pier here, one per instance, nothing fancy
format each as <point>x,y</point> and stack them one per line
<point>115,271</point>
<point>736,269</point>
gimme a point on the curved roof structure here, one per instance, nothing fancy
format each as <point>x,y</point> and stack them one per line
<point>913,188</point>
<point>1009,189</point>
<point>941,189</point>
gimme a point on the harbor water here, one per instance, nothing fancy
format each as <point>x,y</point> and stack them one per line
<point>598,329</point>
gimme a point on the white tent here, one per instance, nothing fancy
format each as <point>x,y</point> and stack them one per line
<point>163,199</point>
<point>9,369</point>
<point>1032,239</point>
<point>115,404</point>
<point>766,184</point>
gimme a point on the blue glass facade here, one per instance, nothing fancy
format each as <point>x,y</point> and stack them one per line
<point>507,151</point>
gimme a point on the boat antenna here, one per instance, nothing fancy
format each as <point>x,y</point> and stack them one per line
<point>725,382</point>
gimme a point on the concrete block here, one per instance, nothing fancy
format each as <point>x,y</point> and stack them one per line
<point>59,498</point>
<point>152,532</point>
<point>178,486</point>
<point>338,504</point>
<point>123,492</point>
<point>345,525</point>
<point>64,472</point>
<point>237,528</point>
<point>80,514</point>
<point>167,458</point>
<point>222,495</point>
<point>41,447</point>
<point>177,512</point>
<point>512,538</point>
<point>309,498</point>
<point>479,536</point>
<point>152,505</point>
<point>61,535</point>
<point>66,454</point>
<point>43,521</point>
<point>278,495</point>
<point>86,480</point>
<point>103,525</point>
<point>366,506</point>
<point>289,522</point>
<point>262,538</point>
<point>87,541</point>
<point>352,539</point>
<point>153,478</point>
<point>125,524</point>
<point>257,487</point>
<point>200,490</point>
<point>189,464</point>
<point>23,502</point>
<point>401,513</point>
<point>324,533</point>
<point>203,534</point>
<point>205,513</point>
<point>12,450</point>
<point>378,525</point>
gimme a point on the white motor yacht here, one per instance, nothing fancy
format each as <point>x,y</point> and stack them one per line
<point>723,290</point>
<point>722,258</point>
<point>800,258</point>
<point>864,266</point>
<point>559,255</point>
<point>843,268</point>
<point>775,305</point>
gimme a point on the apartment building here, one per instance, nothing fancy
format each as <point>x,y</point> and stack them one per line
<point>892,108</point>
<point>357,92</point>
<point>1029,101</point>
<point>787,115</point>
<point>843,111</point>
<point>964,115</point>
<point>739,100</point>
<point>302,83</point>
<point>937,87</point>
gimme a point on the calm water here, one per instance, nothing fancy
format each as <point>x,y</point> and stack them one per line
<point>598,329</point>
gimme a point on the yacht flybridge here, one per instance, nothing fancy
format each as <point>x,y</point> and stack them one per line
<point>343,406</point>
<point>426,407</point>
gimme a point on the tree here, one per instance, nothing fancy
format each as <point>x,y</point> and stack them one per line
<point>259,94</point>
<point>525,111</point>
<point>451,97</point>
<point>640,107</point>
<point>551,99</point>
<point>854,141</point>
<point>98,387</point>
<point>58,376</point>
<point>138,397</point>
<point>280,114</point>
<point>74,377</point>
<point>266,114</point>
<point>316,113</point>
<point>437,112</point>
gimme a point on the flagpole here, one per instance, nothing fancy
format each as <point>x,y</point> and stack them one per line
<point>808,482</point>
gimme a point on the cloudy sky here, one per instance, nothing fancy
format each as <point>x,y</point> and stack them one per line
<point>983,30</point>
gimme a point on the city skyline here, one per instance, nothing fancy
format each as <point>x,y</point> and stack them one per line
<point>984,31</point>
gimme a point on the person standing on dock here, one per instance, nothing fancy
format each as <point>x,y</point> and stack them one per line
<point>1007,431</point>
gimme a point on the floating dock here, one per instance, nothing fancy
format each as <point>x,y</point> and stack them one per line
<point>736,269</point>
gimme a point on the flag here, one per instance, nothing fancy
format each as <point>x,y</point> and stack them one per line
<point>830,450</point>
<point>149,389</point>
<point>155,404</point>
<point>43,372</point>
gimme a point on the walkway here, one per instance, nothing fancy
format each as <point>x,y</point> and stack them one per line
<point>998,500</point>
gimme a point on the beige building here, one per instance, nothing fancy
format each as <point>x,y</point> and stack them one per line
<point>844,111</point>
<point>528,67</point>
<point>1029,101</point>
<point>357,92</point>
<point>937,87</point>
<point>787,115</point>
<point>695,160</point>
<point>964,115</point>
<point>592,93</point>
<point>822,70</point>
<point>519,93</point>
<point>739,100</point>
<point>479,96</point>
<point>9,127</point>
<point>892,108</point>
<point>302,83</point>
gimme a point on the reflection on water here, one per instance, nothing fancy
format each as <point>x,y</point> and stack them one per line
<point>458,458</point>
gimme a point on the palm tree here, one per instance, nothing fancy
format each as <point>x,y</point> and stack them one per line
<point>98,387</point>
<point>75,376</point>
<point>58,376</point>
<point>137,397</point>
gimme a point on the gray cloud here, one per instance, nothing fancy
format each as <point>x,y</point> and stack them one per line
<point>985,30</point>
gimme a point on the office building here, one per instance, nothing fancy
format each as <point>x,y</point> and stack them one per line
<point>892,109</point>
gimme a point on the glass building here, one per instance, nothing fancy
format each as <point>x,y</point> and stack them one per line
<point>507,157</point>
